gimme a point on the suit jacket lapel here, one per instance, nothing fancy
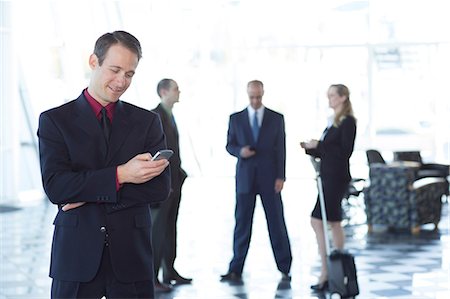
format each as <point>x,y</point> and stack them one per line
<point>246,125</point>
<point>165,118</point>
<point>167,121</point>
<point>265,121</point>
<point>119,130</point>
<point>87,121</point>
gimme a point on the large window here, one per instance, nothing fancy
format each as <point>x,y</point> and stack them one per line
<point>393,62</point>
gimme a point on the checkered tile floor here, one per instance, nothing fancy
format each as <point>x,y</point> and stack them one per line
<point>390,264</point>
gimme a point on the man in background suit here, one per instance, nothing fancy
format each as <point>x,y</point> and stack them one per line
<point>95,155</point>
<point>256,138</point>
<point>165,214</point>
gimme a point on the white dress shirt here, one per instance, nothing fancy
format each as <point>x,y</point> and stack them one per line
<point>259,115</point>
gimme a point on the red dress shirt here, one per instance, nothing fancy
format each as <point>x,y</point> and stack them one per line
<point>97,108</point>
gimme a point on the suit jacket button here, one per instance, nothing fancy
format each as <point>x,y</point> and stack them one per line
<point>103,229</point>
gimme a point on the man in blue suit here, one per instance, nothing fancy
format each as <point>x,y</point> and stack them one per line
<point>256,138</point>
<point>95,155</point>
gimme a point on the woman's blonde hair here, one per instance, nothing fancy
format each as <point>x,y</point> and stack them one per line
<point>347,109</point>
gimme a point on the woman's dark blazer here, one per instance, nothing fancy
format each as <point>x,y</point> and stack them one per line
<point>335,150</point>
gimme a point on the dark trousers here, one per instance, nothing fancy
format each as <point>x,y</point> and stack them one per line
<point>164,234</point>
<point>104,284</point>
<point>273,208</point>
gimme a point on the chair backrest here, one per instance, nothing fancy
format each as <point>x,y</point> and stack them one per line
<point>408,156</point>
<point>374,156</point>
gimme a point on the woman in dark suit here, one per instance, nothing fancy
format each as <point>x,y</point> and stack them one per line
<point>334,149</point>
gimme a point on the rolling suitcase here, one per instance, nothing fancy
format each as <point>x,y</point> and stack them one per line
<point>342,278</point>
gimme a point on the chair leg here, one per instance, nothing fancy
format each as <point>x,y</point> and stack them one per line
<point>436,228</point>
<point>415,230</point>
<point>370,228</point>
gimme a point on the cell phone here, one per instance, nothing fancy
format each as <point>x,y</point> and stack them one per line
<point>163,154</point>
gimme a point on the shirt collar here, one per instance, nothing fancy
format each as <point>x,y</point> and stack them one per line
<point>252,111</point>
<point>97,107</point>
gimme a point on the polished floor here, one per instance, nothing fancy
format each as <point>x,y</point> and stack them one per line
<point>390,264</point>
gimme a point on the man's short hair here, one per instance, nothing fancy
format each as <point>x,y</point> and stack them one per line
<point>255,82</point>
<point>124,38</point>
<point>163,84</point>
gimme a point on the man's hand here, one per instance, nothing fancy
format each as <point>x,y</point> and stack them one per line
<point>279,183</point>
<point>246,152</point>
<point>140,169</point>
<point>71,206</point>
<point>310,144</point>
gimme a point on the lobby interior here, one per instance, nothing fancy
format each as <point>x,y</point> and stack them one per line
<point>395,67</point>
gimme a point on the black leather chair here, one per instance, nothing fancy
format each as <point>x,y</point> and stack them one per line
<point>374,156</point>
<point>425,170</point>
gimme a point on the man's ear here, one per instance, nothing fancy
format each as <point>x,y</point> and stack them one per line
<point>93,61</point>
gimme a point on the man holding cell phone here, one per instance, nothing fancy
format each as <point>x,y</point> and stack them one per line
<point>165,214</point>
<point>256,137</point>
<point>95,155</point>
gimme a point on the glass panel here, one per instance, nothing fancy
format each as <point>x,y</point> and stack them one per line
<point>391,54</point>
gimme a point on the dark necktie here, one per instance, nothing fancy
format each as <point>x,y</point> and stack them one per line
<point>105,124</point>
<point>255,127</point>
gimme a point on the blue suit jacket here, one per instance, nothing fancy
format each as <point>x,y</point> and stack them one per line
<point>77,165</point>
<point>269,163</point>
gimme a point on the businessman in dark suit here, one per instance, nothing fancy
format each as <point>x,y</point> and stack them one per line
<point>95,155</point>
<point>165,214</point>
<point>256,137</point>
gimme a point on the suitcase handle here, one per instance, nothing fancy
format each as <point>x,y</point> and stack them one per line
<point>316,164</point>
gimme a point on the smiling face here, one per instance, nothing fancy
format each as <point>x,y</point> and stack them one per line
<point>113,77</point>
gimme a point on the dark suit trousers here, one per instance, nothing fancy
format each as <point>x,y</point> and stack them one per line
<point>104,284</point>
<point>164,234</point>
<point>273,208</point>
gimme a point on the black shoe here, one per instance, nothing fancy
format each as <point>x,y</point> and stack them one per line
<point>162,287</point>
<point>286,277</point>
<point>320,287</point>
<point>231,276</point>
<point>177,280</point>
